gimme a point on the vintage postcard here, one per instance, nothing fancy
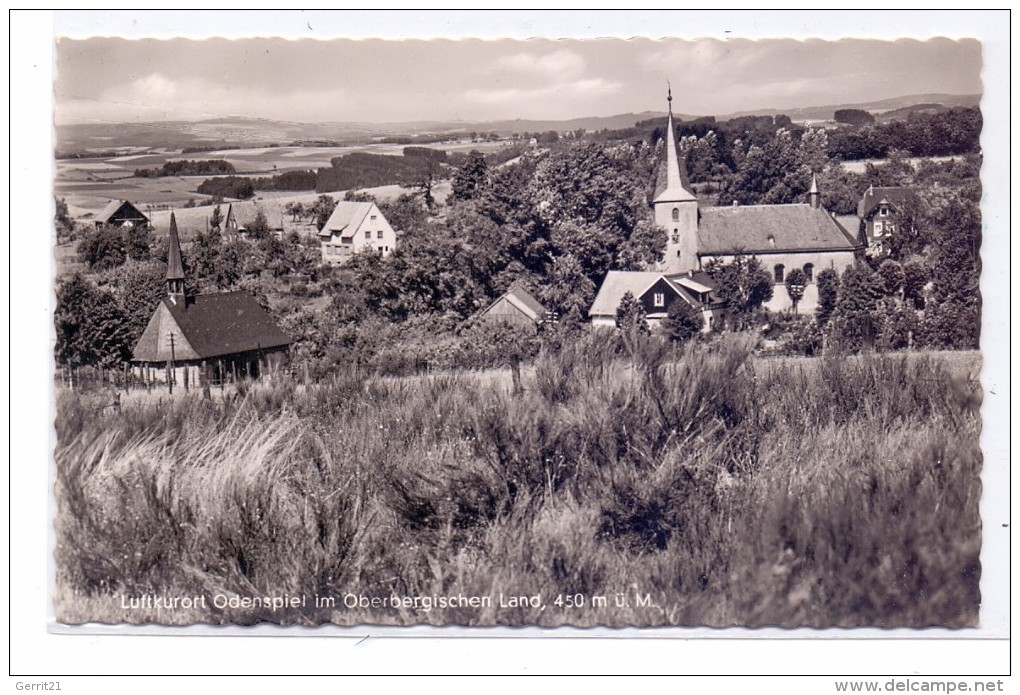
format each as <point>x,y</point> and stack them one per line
<point>646,333</point>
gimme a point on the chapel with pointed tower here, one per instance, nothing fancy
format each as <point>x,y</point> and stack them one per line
<point>206,338</point>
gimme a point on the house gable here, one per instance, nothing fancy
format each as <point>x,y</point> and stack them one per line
<point>121,212</point>
<point>154,344</point>
<point>660,296</point>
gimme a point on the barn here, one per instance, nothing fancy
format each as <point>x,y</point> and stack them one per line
<point>209,337</point>
<point>121,213</point>
<point>517,306</point>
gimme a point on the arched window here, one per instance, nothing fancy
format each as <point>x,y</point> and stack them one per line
<point>676,214</point>
<point>780,271</point>
<point>809,270</point>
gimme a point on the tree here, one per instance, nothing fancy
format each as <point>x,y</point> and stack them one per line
<point>258,228</point>
<point>102,248</point>
<point>630,318</point>
<point>743,285</point>
<point>91,329</point>
<point>683,322</point>
<point>854,323</point>
<point>323,208</point>
<point>137,288</point>
<point>62,217</point>
<point>216,219</point>
<point>137,242</point>
<point>915,278</point>
<point>892,276</point>
<point>854,117</point>
<point>828,294</point>
<point>796,283</point>
<point>469,180</point>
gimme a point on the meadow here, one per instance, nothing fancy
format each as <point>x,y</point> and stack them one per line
<point>627,483</point>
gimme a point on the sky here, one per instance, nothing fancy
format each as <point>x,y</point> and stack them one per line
<point>319,80</point>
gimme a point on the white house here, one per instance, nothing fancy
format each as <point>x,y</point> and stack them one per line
<point>355,227</point>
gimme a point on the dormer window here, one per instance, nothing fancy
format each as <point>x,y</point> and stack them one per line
<point>772,241</point>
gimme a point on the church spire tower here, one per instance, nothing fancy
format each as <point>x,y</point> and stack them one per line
<point>174,266</point>
<point>675,205</point>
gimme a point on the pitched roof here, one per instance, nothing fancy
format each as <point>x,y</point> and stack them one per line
<point>875,195</point>
<point>114,206</point>
<point>346,218</point>
<point>523,300</point>
<point>671,183</point>
<point>770,229</point>
<point>211,325</point>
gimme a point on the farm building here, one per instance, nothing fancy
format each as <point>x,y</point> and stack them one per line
<point>355,227</point>
<point>517,306</point>
<point>781,237</point>
<point>657,292</point>
<point>209,337</point>
<point>121,213</point>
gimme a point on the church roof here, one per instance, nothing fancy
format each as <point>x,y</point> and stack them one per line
<point>346,218</point>
<point>209,325</point>
<point>770,229</point>
<point>671,184</point>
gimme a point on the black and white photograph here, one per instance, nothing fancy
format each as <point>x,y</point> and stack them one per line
<point>655,333</point>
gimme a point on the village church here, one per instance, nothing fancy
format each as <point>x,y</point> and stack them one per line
<point>782,237</point>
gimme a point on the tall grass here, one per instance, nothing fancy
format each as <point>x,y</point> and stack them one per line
<point>730,490</point>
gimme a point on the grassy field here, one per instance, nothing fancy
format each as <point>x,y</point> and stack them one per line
<point>707,488</point>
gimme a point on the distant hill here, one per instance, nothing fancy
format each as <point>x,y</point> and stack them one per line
<point>261,132</point>
<point>905,103</point>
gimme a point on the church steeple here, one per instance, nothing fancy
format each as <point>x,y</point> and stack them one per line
<point>814,196</point>
<point>675,205</point>
<point>676,188</point>
<point>174,266</point>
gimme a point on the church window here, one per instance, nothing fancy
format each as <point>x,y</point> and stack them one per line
<point>809,271</point>
<point>780,272</point>
<point>659,299</point>
<point>676,236</point>
<point>676,214</point>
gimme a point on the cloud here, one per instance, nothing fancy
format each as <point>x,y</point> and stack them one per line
<point>558,65</point>
<point>155,96</point>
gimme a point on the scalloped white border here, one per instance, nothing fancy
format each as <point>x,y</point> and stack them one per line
<point>500,649</point>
